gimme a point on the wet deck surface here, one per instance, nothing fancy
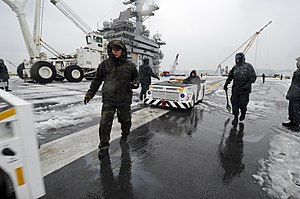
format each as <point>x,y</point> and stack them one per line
<point>182,154</point>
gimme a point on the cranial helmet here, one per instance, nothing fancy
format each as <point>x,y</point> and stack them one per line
<point>239,58</point>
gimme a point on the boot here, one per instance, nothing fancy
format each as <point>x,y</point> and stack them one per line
<point>103,153</point>
<point>235,120</point>
<point>7,89</point>
<point>123,138</point>
<point>242,117</point>
<point>289,124</point>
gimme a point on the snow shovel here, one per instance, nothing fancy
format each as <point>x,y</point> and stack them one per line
<point>228,107</point>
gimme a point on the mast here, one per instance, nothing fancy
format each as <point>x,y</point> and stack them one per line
<point>140,14</point>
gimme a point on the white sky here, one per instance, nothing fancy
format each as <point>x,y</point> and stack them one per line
<point>203,32</point>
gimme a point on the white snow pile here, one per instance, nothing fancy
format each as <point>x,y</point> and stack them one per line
<point>72,115</point>
<point>279,174</point>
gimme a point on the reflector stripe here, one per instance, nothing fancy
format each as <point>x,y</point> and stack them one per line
<point>181,105</point>
<point>177,105</point>
<point>20,176</point>
<point>8,113</point>
<point>185,105</point>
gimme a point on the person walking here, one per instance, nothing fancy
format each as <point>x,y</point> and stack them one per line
<point>4,76</point>
<point>193,79</point>
<point>243,75</point>
<point>293,96</point>
<point>263,77</point>
<point>120,76</point>
<point>145,73</point>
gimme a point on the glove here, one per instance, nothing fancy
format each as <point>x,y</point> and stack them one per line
<point>225,87</point>
<point>87,98</point>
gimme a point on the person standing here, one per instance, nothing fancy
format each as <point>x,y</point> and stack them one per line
<point>243,75</point>
<point>263,77</point>
<point>145,73</point>
<point>120,76</point>
<point>4,76</point>
<point>193,79</point>
<point>293,96</point>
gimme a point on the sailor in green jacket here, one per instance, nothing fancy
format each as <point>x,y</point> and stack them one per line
<point>119,77</point>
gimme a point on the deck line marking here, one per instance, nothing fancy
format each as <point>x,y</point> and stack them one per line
<point>58,153</point>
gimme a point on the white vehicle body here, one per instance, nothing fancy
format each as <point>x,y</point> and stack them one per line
<point>20,169</point>
<point>175,94</point>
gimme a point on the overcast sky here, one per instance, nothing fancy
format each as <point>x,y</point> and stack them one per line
<point>203,32</point>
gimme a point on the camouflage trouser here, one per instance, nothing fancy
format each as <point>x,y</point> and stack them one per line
<point>107,117</point>
<point>239,101</point>
<point>294,111</point>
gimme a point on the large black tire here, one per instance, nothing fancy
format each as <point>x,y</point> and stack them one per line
<point>20,70</point>
<point>73,73</point>
<point>43,72</point>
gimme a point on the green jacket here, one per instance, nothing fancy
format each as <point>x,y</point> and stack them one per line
<point>243,76</point>
<point>117,75</point>
<point>294,90</point>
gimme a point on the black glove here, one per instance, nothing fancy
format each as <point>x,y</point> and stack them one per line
<point>87,98</point>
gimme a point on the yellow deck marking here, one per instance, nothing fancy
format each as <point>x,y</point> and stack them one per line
<point>214,85</point>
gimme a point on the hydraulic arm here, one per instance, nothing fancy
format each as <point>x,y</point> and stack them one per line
<point>32,45</point>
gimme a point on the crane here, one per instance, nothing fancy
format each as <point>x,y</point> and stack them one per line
<point>73,67</point>
<point>68,12</point>
<point>249,43</point>
<point>32,45</point>
<point>94,40</point>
